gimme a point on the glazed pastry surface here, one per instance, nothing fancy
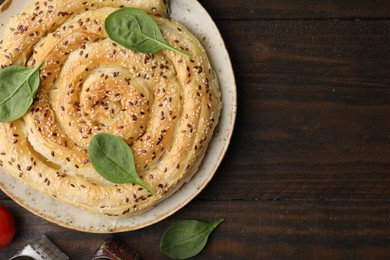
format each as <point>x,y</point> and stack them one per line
<point>164,106</point>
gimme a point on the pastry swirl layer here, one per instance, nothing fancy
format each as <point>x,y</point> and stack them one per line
<point>163,105</point>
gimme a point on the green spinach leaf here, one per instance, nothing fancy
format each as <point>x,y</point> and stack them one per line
<point>18,87</point>
<point>186,238</point>
<point>137,31</point>
<point>112,158</point>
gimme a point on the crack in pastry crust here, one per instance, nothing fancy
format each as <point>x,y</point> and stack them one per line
<point>164,106</point>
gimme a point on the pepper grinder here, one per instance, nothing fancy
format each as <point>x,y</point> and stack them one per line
<point>114,249</point>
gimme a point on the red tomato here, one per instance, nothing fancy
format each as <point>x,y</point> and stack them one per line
<point>7,227</point>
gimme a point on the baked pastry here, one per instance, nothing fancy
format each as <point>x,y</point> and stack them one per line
<point>163,105</point>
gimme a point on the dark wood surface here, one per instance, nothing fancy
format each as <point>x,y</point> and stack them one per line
<point>307,174</point>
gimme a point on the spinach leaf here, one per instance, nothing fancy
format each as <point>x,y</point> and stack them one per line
<point>18,87</point>
<point>137,31</point>
<point>112,158</point>
<point>186,238</point>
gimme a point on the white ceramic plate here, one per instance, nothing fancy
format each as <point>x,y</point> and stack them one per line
<point>195,17</point>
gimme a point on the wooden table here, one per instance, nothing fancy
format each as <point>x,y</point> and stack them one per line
<point>307,174</point>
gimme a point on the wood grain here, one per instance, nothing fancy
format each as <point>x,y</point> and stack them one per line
<point>282,230</point>
<point>313,111</point>
<point>297,9</point>
<point>307,174</point>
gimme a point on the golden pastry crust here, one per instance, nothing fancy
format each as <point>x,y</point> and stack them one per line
<point>164,106</point>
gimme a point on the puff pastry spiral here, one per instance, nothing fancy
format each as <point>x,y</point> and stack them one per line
<point>164,106</point>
